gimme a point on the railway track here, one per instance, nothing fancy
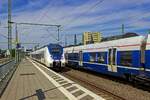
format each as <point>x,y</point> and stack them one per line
<point>95,88</point>
<point>4,60</point>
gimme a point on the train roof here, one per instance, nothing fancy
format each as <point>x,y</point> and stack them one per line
<point>110,38</point>
<point>51,45</point>
<point>113,43</point>
<point>126,35</point>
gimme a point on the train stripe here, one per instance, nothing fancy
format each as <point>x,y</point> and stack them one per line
<point>133,45</point>
<point>147,70</point>
<point>107,65</point>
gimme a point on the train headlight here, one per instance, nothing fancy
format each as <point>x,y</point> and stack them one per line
<point>63,60</point>
<point>51,61</point>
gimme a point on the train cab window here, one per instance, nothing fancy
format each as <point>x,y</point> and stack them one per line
<point>126,58</point>
<point>92,57</point>
<point>101,57</point>
<point>56,50</point>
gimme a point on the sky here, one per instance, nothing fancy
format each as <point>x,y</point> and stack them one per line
<point>75,17</point>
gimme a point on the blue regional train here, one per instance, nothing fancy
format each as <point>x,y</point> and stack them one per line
<point>51,55</point>
<point>126,57</point>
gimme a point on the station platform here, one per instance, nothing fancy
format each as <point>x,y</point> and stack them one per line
<point>33,81</point>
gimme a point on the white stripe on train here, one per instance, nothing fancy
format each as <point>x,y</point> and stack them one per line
<point>106,65</point>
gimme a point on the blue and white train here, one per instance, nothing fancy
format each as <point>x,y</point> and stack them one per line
<point>126,57</point>
<point>51,55</point>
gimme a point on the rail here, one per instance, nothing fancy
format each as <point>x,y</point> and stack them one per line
<point>104,93</point>
<point>5,68</point>
<point>4,60</point>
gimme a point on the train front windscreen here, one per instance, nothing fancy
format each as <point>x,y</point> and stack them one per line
<point>56,51</point>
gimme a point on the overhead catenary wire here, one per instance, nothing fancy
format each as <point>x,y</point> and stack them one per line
<point>128,27</point>
<point>85,12</point>
<point>44,14</point>
<point>4,36</point>
<point>51,35</point>
<point>40,18</point>
<point>36,24</point>
<point>90,8</point>
<point>73,20</point>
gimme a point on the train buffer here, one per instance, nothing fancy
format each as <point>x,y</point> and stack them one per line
<point>32,80</point>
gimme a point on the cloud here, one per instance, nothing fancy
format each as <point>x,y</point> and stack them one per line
<point>77,16</point>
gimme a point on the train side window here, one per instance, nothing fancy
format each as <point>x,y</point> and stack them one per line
<point>101,57</point>
<point>69,56</point>
<point>37,56</point>
<point>126,58</point>
<point>76,56</point>
<point>42,54</point>
<point>73,56</point>
<point>92,57</point>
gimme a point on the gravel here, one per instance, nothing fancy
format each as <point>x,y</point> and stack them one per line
<point>122,89</point>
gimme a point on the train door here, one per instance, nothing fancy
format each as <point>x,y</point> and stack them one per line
<point>80,58</point>
<point>112,55</point>
<point>143,48</point>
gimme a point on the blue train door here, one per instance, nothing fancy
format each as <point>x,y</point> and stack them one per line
<point>80,58</point>
<point>112,55</point>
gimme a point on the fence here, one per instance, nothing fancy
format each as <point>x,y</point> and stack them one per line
<point>6,71</point>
